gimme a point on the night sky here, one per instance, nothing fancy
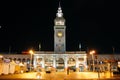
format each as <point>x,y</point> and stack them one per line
<point>23,25</point>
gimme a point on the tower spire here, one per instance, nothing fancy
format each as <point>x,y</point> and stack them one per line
<point>59,13</point>
<point>59,4</point>
<point>59,20</point>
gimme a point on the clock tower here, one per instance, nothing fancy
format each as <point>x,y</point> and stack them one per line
<point>59,32</point>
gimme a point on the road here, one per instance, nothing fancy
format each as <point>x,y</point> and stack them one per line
<point>60,76</point>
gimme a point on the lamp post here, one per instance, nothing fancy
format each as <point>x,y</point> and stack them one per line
<point>31,53</point>
<point>92,53</point>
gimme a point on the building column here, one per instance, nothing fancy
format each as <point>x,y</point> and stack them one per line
<point>66,59</point>
<point>34,62</point>
<point>109,67</point>
<point>43,62</point>
<point>54,61</point>
<point>77,62</point>
<point>85,62</point>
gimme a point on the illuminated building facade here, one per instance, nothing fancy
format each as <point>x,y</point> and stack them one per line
<point>60,58</point>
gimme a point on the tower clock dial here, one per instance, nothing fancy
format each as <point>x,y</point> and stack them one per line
<point>60,34</point>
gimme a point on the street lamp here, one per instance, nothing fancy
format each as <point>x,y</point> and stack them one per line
<point>31,53</point>
<point>92,53</point>
<point>1,56</point>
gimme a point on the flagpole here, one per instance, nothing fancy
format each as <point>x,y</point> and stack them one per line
<point>113,50</point>
<point>9,49</point>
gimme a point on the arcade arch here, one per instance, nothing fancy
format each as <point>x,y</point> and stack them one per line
<point>60,64</point>
<point>72,64</point>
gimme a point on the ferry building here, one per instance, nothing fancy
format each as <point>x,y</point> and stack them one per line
<point>60,58</point>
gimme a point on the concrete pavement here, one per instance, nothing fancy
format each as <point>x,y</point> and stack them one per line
<point>61,76</point>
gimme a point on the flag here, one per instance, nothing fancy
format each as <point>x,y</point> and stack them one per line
<point>80,46</point>
<point>39,47</point>
<point>113,49</point>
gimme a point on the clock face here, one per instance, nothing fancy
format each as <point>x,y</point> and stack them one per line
<point>60,34</point>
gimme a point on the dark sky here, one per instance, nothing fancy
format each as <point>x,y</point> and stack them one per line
<point>93,23</point>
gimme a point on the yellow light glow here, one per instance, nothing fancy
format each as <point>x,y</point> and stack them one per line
<point>31,52</point>
<point>1,56</point>
<point>85,56</point>
<point>37,57</point>
<point>38,75</point>
<point>92,52</point>
<point>59,34</point>
<point>21,71</point>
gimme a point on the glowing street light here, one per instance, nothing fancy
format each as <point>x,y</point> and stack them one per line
<point>1,56</point>
<point>92,53</point>
<point>31,53</point>
<point>38,75</point>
